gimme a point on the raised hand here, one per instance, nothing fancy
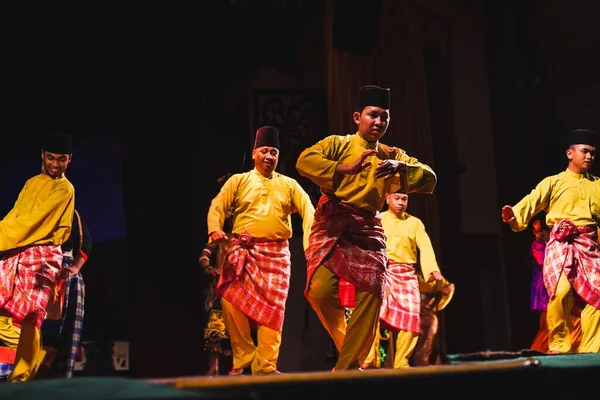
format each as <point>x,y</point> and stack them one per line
<point>388,168</point>
<point>436,275</point>
<point>357,166</point>
<point>448,289</point>
<point>507,214</point>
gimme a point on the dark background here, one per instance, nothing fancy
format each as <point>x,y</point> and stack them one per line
<point>161,101</point>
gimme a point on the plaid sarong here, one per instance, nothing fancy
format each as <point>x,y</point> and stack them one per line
<point>71,328</point>
<point>256,278</point>
<point>350,242</point>
<point>65,334</point>
<point>574,251</point>
<point>28,277</point>
<point>401,300</point>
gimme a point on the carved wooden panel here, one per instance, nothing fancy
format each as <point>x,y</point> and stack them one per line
<point>301,117</point>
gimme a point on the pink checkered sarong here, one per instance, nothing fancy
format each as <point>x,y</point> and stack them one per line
<point>27,279</point>
<point>256,278</point>
<point>574,251</point>
<point>401,300</point>
<point>350,242</point>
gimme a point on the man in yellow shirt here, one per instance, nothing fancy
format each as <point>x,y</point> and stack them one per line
<point>347,243</point>
<point>255,275</point>
<point>408,245</point>
<point>31,235</point>
<point>571,200</point>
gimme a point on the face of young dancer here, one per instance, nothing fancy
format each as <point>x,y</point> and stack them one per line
<point>581,157</point>
<point>372,123</point>
<point>54,165</point>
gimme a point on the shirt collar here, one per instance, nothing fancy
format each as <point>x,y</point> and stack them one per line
<point>575,175</point>
<point>367,145</point>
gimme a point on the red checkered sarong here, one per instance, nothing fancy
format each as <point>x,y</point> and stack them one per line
<point>574,251</point>
<point>256,278</point>
<point>401,300</point>
<point>348,241</point>
<point>27,279</point>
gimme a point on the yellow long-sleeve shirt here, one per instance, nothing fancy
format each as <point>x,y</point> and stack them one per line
<point>362,190</point>
<point>408,242</point>
<point>262,206</point>
<point>41,215</point>
<point>566,195</point>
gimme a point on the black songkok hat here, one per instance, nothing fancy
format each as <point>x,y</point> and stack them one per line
<point>58,143</point>
<point>267,136</point>
<point>376,96</point>
<point>582,136</point>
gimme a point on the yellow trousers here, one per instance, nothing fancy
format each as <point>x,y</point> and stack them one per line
<point>27,341</point>
<point>262,357</point>
<point>350,339</point>
<point>404,347</point>
<point>559,320</point>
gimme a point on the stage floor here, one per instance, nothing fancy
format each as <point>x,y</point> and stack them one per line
<point>497,373</point>
<point>469,376</point>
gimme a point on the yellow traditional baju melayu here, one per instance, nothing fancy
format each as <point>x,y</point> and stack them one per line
<point>30,238</point>
<point>335,237</point>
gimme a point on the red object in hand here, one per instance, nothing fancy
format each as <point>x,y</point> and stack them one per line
<point>347,292</point>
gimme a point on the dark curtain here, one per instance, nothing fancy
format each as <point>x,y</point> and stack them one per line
<point>384,46</point>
